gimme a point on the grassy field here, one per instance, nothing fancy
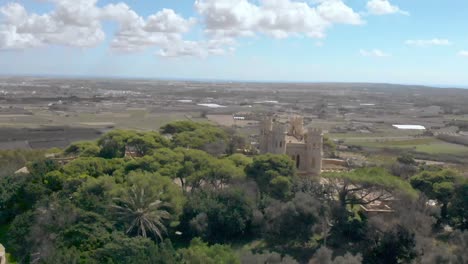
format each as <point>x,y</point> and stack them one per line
<point>423,145</point>
<point>139,119</point>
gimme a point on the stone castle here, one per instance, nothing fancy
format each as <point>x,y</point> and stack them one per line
<point>303,146</point>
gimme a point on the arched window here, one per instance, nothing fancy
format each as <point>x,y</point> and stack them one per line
<point>298,161</point>
<point>281,144</point>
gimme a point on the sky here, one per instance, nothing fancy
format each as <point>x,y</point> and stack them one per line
<point>390,41</point>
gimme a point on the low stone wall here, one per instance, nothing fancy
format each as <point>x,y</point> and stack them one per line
<point>335,162</point>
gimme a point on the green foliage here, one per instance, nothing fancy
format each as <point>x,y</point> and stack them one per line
<point>240,160</point>
<point>367,177</point>
<point>406,159</point>
<point>396,246</point>
<point>113,143</point>
<point>157,186</point>
<point>136,250</point>
<point>95,194</point>
<point>200,253</point>
<point>147,143</point>
<point>19,193</point>
<point>40,168</point>
<point>265,168</point>
<point>209,212</point>
<point>347,230</point>
<point>12,160</point>
<point>438,184</point>
<point>16,239</point>
<point>142,212</point>
<point>10,188</point>
<point>89,232</point>
<point>181,126</point>
<point>325,256</point>
<point>54,180</point>
<point>329,147</point>
<point>98,207</point>
<point>266,257</point>
<point>189,134</point>
<point>280,187</point>
<point>91,166</point>
<point>199,138</point>
<point>458,206</point>
<point>291,223</point>
<point>83,149</point>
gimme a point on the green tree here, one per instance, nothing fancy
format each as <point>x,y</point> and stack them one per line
<point>95,194</point>
<point>91,166</point>
<point>366,185</point>
<point>458,209</point>
<point>200,253</point>
<point>208,212</point>
<point>265,168</point>
<point>193,165</point>
<point>291,223</point>
<point>83,149</point>
<point>396,246</point>
<point>113,143</point>
<point>329,147</point>
<point>439,185</point>
<point>39,168</point>
<point>145,143</point>
<point>134,250</point>
<point>180,126</point>
<point>240,160</point>
<point>144,213</point>
<point>406,159</point>
<point>88,232</point>
<point>199,138</point>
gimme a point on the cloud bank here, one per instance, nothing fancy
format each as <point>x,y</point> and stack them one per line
<point>79,23</point>
<point>383,7</point>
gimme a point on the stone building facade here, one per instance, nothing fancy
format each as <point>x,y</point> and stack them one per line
<point>305,147</point>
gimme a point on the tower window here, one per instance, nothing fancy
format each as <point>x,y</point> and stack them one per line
<point>298,161</point>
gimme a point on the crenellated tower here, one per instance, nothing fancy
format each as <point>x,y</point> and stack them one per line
<point>314,146</point>
<point>304,148</point>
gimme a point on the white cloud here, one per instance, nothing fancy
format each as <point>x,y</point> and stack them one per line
<point>71,24</point>
<point>78,23</point>
<point>463,53</point>
<point>383,7</point>
<point>195,48</point>
<point>373,53</point>
<point>168,21</point>
<point>276,18</point>
<point>428,42</point>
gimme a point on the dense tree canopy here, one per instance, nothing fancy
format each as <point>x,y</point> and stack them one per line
<point>273,174</point>
<point>146,197</point>
<point>440,185</point>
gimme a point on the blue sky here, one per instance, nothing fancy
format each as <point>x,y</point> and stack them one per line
<point>396,41</point>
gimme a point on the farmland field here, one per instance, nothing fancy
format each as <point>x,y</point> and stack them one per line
<point>424,145</point>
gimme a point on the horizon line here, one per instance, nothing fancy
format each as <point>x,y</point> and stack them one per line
<point>223,80</point>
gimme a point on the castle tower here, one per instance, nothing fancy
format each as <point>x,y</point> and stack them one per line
<point>278,139</point>
<point>265,134</point>
<point>296,127</point>
<point>314,147</point>
<point>304,148</point>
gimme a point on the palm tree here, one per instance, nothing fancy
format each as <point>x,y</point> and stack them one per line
<point>144,212</point>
